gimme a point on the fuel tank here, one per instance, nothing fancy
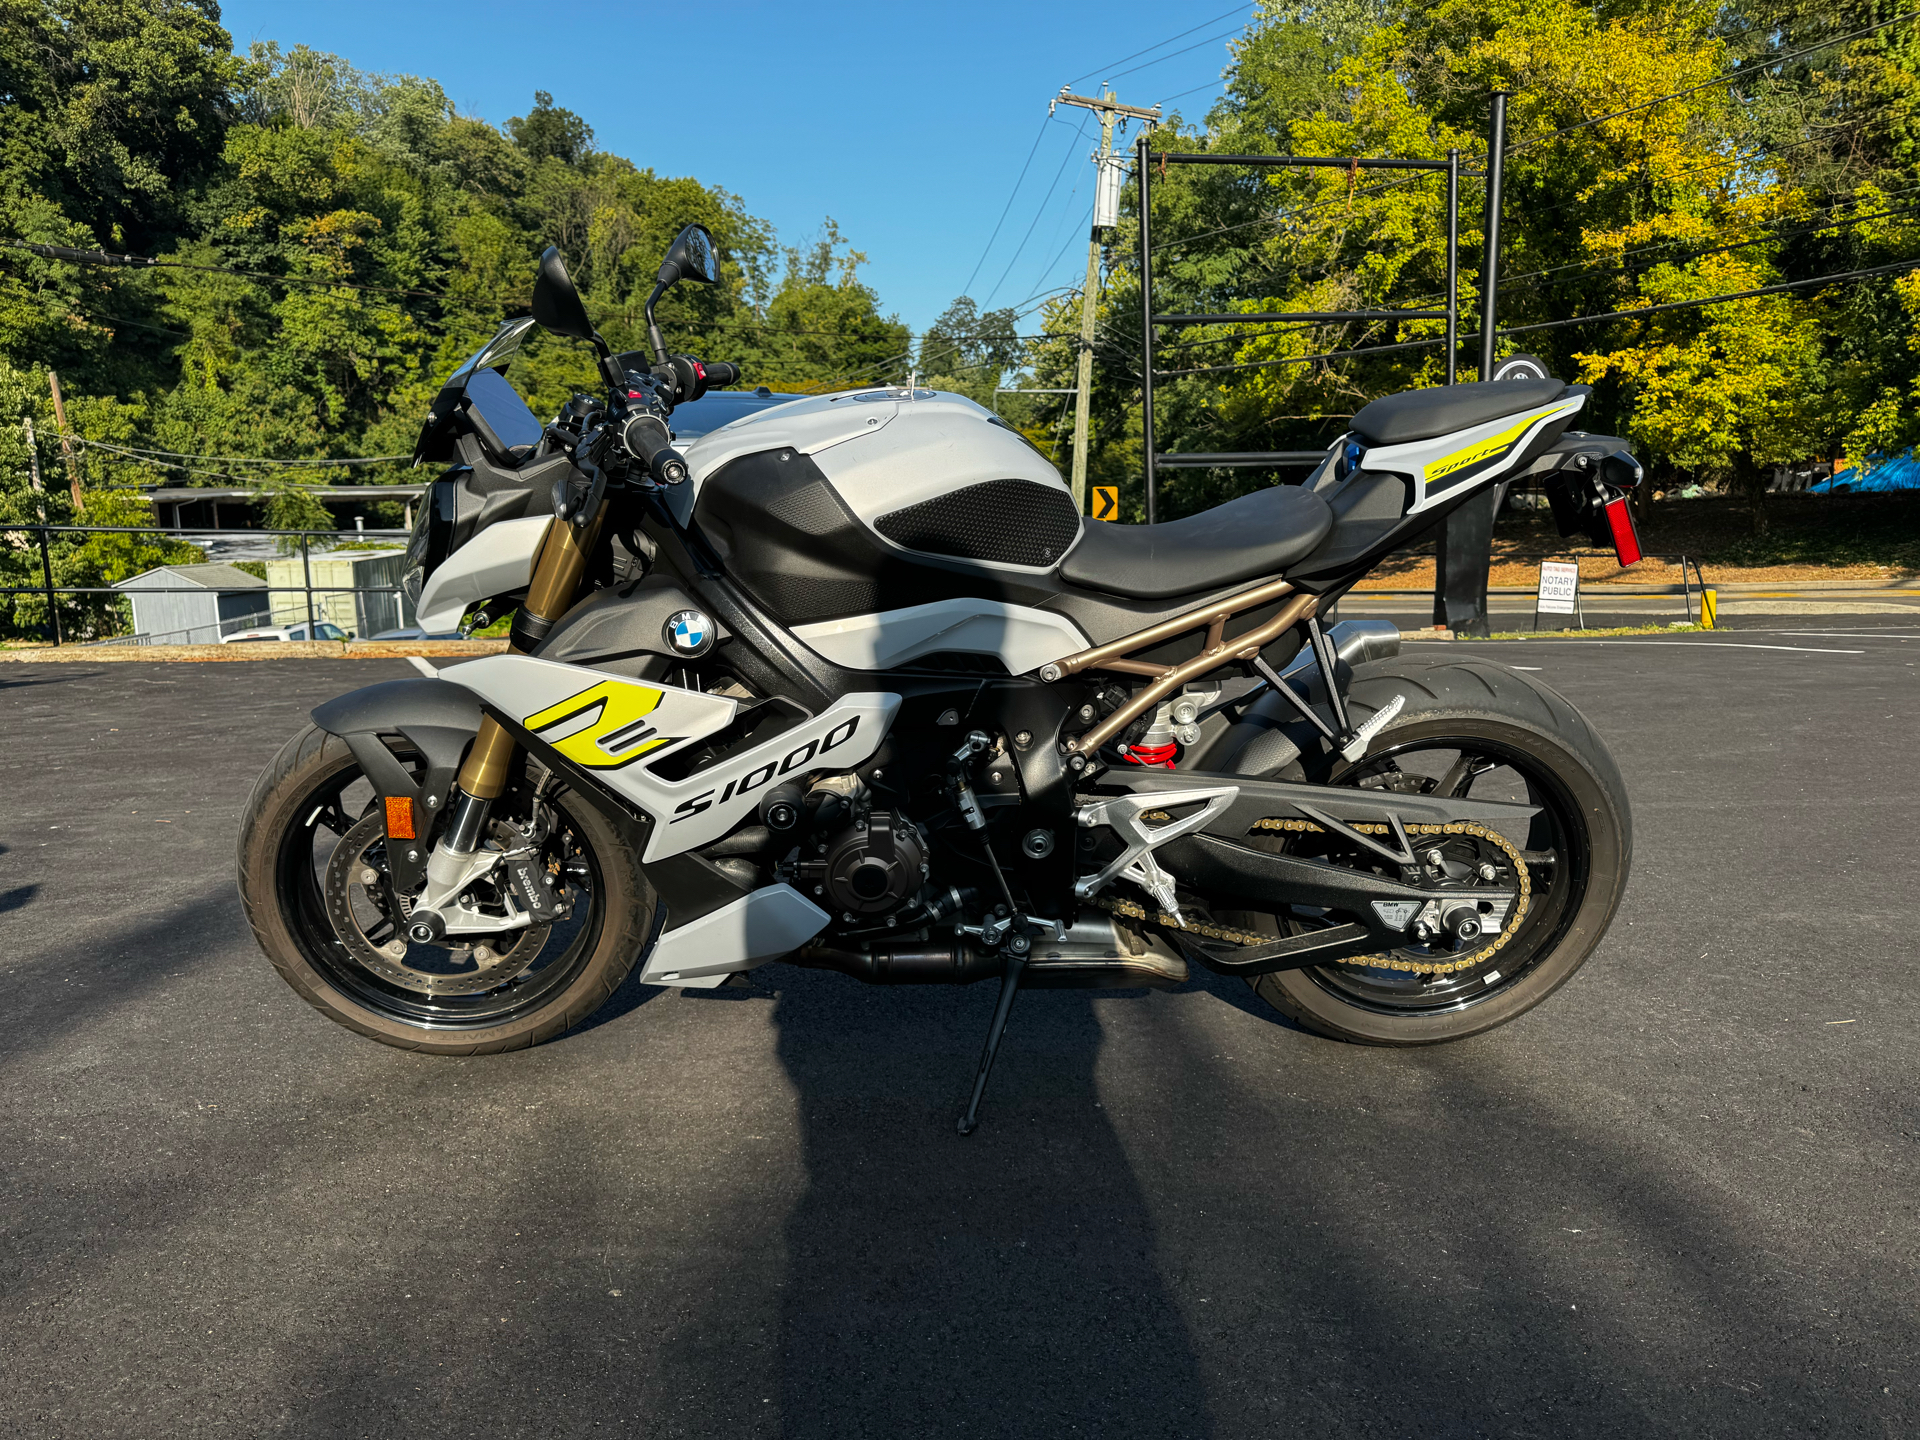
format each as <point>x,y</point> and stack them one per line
<point>926,472</point>
<point>874,500</point>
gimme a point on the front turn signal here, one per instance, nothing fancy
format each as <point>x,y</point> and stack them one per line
<point>400,818</point>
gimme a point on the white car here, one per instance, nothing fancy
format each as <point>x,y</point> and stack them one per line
<point>322,631</point>
<point>414,632</point>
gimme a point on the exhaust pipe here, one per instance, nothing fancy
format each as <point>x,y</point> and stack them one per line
<point>955,965</point>
<point>1356,642</point>
<point>1094,953</point>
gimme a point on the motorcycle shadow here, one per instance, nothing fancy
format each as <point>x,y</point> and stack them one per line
<point>1000,1284</point>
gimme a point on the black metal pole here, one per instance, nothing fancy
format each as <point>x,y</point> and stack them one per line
<point>46,576</point>
<point>1491,265</point>
<point>1147,326</point>
<point>306,579</point>
<point>1463,541</point>
<point>1453,259</point>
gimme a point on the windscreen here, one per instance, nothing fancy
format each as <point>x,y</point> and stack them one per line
<point>503,410</point>
<point>500,405</point>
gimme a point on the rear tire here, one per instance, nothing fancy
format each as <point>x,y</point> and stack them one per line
<point>293,930</point>
<point>1540,731</point>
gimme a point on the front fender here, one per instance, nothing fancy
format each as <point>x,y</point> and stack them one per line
<point>437,718</point>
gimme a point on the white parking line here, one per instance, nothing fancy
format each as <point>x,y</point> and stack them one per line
<point>1851,634</point>
<point>1687,644</point>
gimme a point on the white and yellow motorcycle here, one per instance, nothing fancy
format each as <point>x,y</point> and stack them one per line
<point>851,684</point>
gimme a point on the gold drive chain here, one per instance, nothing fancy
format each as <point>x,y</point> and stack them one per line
<point>1135,911</point>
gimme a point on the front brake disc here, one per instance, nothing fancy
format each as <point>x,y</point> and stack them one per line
<point>468,969</point>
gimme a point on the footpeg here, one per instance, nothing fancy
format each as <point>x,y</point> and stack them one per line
<point>1355,748</point>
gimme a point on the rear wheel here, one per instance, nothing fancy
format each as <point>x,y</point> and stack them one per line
<point>313,876</point>
<point>1476,731</point>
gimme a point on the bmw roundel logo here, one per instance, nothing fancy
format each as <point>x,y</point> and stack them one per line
<point>689,632</point>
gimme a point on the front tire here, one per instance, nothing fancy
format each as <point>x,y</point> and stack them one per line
<point>303,804</point>
<point>1545,749</point>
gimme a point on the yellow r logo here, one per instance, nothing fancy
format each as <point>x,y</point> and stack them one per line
<point>617,734</point>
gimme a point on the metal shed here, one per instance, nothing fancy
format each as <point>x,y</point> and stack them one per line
<point>194,604</point>
<point>357,590</point>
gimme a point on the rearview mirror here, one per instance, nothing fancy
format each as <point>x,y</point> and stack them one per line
<point>691,257</point>
<point>557,305</point>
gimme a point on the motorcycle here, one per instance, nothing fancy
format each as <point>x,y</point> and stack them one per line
<point>851,683</point>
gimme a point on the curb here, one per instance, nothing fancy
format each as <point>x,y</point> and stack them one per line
<point>250,651</point>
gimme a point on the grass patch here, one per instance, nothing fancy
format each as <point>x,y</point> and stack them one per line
<point>1600,633</point>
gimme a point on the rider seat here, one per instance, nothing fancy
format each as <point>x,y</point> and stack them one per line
<point>1424,414</point>
<point>1259,534</point>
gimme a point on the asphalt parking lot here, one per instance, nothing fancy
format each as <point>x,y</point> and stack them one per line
<point>1678,1199</point>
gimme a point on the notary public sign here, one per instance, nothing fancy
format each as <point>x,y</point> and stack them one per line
<point>1558,589</point>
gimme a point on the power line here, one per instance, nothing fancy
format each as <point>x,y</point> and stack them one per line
<point>1182,51</point>
<point>139,452</point>
<point>1237,10</point>
<point>1170,99</point>
<point>1759,62</point>
<point>1760,237</point>
<point>1041,209</point>
<point>1038,134</point>
<point>1870,271</point>
<point>1899,266</point>
<point>1745,72</point>
<point>1760,152</point>
<point>1300,359</point>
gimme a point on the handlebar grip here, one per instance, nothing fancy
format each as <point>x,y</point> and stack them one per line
<point>721,374</point>
<point>647,440</point>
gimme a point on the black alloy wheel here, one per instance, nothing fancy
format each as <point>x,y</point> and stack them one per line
<point>315,880</point>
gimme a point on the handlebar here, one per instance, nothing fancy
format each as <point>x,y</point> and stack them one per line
<point>721,374</point>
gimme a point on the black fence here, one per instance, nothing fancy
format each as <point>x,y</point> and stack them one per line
<point>1145,159</point>
<point>310,542</point>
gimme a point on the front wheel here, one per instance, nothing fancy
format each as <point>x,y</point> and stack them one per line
<point>1475,729</point>
<point>313,880</point>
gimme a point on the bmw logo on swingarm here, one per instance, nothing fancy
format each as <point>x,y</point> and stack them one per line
<point>689,632</point>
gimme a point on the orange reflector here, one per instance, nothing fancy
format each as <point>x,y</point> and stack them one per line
<point>400,817</point>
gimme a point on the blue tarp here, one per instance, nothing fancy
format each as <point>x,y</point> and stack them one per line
<point>1899,473</point>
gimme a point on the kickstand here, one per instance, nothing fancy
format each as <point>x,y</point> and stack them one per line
<point>1010,983</point>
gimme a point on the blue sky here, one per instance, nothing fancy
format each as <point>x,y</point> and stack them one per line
<point>907,123</point>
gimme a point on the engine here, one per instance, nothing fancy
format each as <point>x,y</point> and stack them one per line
<point>854,860</point>
<point>868,869</point>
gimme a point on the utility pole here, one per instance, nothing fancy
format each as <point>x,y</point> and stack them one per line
<point>1107,196</point>
<point>66,444</point>
<point>33,470</point>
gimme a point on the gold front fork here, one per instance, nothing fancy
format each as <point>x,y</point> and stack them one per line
<point>559,565</point>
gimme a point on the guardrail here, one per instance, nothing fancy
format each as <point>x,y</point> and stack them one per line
<point>336,539</point>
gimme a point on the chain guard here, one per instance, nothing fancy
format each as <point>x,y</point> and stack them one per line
<point>1516,914</point>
